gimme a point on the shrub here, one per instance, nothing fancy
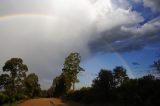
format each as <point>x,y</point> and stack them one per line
<point>20,97</point>
<point>3,98</point>
<point>85,95</point>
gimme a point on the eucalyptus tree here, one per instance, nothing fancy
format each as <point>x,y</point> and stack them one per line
<point>72,68</point>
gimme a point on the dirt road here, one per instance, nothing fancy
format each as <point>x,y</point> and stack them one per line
<point>48,102</point>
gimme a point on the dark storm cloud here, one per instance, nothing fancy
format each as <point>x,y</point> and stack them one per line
<point>153,4</point>
<point>126,39</point>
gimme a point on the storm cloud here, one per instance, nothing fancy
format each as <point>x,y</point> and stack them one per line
<point>44,32</point>
<point>153,4</point>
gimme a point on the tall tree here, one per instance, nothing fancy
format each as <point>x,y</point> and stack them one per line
<point>32,86</point>
<point>16,70</point>
<point>72,68</point>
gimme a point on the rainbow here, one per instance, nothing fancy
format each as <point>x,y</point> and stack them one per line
<point>12,16</point>
<point>122,60</point>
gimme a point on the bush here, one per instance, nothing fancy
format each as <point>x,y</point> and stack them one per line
<point>20,97</point>
<point>84,95</point>
<point>3,98</point>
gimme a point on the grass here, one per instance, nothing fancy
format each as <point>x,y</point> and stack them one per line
<point>13,104</point>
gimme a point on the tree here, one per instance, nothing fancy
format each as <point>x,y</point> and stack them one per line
<point>140,92</point>
<point>32,86</point>
<point>103,85</point>
<point>4,81</point>
<point>148,77</point>
<point>16,73</point>
<point>72,68</point>
<point>104,80</point>
<point>157,65</point>
<point>119,75</point>
<point>59,86</point>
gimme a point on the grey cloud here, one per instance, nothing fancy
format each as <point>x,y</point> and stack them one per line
<point>43,51</point>
<point>43,39</point>
<point>137,1</point>
<point>153,4</point>
<point>11,7</point>
<point>126,39</point>
<point>122,4</point>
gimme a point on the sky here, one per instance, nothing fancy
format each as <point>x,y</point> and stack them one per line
<point>106,33</point>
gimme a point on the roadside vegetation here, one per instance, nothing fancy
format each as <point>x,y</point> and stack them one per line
<point>112,87</point>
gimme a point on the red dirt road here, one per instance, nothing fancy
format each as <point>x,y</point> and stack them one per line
<point>48,102</point>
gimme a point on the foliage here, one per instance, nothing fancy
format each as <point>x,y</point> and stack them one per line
<point>120,75</point>
<point>45,93</point>
<point>14,83</point>
<point>13,104</point>
<point>13,79</point>
<point>110,86</point>
<point>131,92</point>
<point>157,65</point>
<point>71,69</point>
<point>62,84</point>
<point>59,86</point>
<point>4,80</point>
<point>17,72</point>
<point>3,98</point>
<point>143,91</point>
<point>104,81</point>
<point>32,86</point>
<point>85,95</point>
<point>103,87</point>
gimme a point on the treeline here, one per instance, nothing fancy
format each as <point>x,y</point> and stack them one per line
<point>112,87</point>
<point>108,88</point>
<point>15,85</point>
